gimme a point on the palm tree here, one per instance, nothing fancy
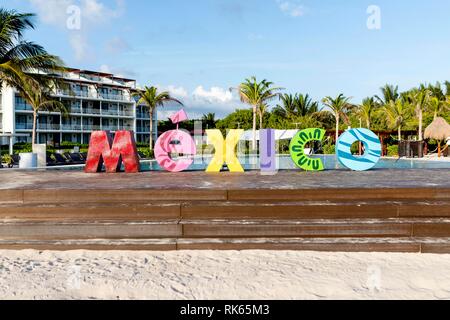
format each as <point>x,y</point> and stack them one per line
<point>339,108</point>
<point>305,105</point>
<point>261,111</point>
<point>420,100</point>
<point>257,94</point>
<point>18,56</point>
<point>152,99</point>
<point>366,110</point>
<point>288,107</point>
<point>38,96</point>
<point>389,93</point>
<point>209,119</point>
<point>297,105</point>
<point>397,114</point>
<point>438,106</point>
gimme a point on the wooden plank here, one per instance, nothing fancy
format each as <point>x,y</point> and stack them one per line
<point>125,195</point>
<point>317,231</point>
<point>287,210</point>
<point>123,245</point>
<point>92,212</point>
<point>425,209</point>
<point>435,230</point>
<point>11,196</point>
<point>299,246</point>
<point>337,194</point>
<point>33,231</point>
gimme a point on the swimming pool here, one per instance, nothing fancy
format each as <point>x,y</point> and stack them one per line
<point>330,163</point>
<point>284,162</point>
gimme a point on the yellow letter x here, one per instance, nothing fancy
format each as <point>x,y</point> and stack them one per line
<point>225,150</point>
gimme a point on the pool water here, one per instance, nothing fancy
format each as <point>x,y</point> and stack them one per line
<point>284,162</point>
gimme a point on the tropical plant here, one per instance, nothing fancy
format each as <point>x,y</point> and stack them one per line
<point>262,109</point>
<point>397,114</point>
<point>257,94</point>
<point>439,106</point>
<point>151,98</point>
<point>366,111</point>
<point>339,107</point>
<point>297,105</point>
<point>389,93</point>
<point>420,100</point>
<point>38,95</point>
<point>209,120</point>
<point>18,56</point>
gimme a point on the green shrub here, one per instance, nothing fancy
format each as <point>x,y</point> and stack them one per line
<point>392,151</point>
<point>7,159</point>
<point>329,149</point>
<point>149,154</point>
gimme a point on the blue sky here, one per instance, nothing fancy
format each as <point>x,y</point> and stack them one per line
<point>198,49</point>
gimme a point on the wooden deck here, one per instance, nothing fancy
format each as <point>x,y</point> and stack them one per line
<point>230,216</point>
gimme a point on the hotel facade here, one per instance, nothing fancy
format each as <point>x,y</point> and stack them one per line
<point>95,101</point>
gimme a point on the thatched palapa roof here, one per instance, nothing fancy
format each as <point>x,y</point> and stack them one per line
<point>439,129</point>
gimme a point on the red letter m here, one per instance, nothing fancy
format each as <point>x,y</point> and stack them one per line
<point>112,154</point>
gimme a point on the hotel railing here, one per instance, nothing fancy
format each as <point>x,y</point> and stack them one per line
<point>74,93</point>
<point>110,128</point>
<point>117,97</point>
<point>142,129</point>
<point>126,128</point>
<point>88,127</point>
<point>74,110</point>
<point>24,126</point>
<point>110,112</point>
<point>125,114</point>
<point>71,127</point>
<point>91,111</point>
<point>142,115</point>
<point>47,126</point>
<point>23,107</point>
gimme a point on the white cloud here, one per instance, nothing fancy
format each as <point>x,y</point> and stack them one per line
<point>200,101</point>
<point>214,95</point>
<point>291,8</point>
<point>93,13</point>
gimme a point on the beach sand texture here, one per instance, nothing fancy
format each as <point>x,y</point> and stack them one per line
<point>222,275</point>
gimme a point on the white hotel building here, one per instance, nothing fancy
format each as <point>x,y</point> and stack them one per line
<point>96,101</point>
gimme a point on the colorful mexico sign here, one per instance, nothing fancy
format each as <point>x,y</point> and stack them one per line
<point>103,150</point>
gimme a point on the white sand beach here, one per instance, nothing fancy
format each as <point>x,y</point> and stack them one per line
<point>222,275</point>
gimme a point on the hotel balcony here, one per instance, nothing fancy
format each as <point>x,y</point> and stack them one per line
<point>143,129</point>
<point>115,97</point>
<point>71,127</point>
<point>126,127</point>
<point>92,111</point>
<point>110,112</point>
<point>23,107</point>
<point>142,115</point>
<point>49,127</point>
<point>24,126</point>
<point>88,127</point>
<point>74,110</point>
